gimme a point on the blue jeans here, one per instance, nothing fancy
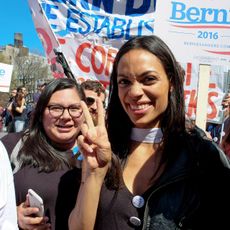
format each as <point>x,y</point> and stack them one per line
<point>19,126</point>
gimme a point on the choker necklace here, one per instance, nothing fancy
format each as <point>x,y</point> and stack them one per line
<point>153,135</point>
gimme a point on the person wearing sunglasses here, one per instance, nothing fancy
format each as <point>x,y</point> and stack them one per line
<point>93,90</point>
<point>45,161</point>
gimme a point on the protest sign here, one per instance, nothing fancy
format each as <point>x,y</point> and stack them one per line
<point>196,31</point>
<point>89,33</point>
<point>216,90</point>
<point>5,77</point>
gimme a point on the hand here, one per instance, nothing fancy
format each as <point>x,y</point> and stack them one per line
<point>94,143</point>
<point>27,219</point>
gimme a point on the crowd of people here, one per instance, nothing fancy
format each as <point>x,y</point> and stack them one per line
<point>126,160</point>
<point>15,114</point>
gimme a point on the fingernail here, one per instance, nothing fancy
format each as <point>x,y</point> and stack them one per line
<point>90,150</point>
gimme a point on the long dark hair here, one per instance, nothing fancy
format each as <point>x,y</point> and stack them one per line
<point>36,150</point>
<point>18,97</point>
<point>173,121</point>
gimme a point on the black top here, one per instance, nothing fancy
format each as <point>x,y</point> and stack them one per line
<point>58,190</point>
<point>18,116</point>
<point>116,208</point>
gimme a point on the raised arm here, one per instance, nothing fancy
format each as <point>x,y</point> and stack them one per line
<point>20,109</point>
<point>95,147</point>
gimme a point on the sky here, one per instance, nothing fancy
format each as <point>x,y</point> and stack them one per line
<point>15,17</point>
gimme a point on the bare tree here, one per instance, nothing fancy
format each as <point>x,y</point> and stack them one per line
<point>29,70</point>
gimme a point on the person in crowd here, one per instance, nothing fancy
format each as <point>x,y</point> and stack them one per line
<point>24,90</point>
<point>1,117</point>
<point>38,93</point>
<point>43,86</point>
<point>225,141</point>
<point>18,110</point>
<point>93,89</point>
<point>31,106</point>
<point>142,167</point>
<point>12,94</point>
<point>42,158</point>
<point>217,131</point>
<point>8,215</point>
<point>225,144</point>
<point>6,115</point>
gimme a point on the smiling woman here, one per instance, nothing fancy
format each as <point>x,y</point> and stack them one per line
<point>146,168</point>
<point>45,162</point>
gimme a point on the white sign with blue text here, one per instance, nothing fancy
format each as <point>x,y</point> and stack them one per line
<point>5,77</point>
<point>196,31</point>
<point>89,33</point>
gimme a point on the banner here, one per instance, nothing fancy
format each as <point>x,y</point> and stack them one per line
<point>196,31</point>
<point>5,77</point>
<point>89,33</point>
<point>47,37</point>
<point>217,88</point>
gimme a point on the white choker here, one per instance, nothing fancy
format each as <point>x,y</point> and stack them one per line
<point>153,135</point>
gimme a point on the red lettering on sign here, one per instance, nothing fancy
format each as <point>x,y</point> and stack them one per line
<point>110,59</point>
<point>212,85</point>
<point>188,74</point>
<point>101,51</point>
<point>46,40</point>
<point>101,59</point>
<point>78,57</point>
<point>51,58</point>
<point>192,102</point>
<point>213,113</point>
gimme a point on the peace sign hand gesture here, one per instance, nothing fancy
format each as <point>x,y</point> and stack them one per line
<point>94,143</point>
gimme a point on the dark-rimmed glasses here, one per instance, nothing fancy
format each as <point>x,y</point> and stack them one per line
<point>90,101</point>
<point>57,111</point>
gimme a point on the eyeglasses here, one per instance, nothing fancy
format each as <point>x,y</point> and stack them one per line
<point>57,111</point>
<point>90,101</point>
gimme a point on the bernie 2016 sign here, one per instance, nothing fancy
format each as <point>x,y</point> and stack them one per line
<point>89,33</point>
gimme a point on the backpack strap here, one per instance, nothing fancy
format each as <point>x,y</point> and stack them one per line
<point>16,165</point>
<point>13,143</point>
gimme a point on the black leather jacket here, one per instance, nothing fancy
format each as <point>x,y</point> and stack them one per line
<point>193,192</point>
